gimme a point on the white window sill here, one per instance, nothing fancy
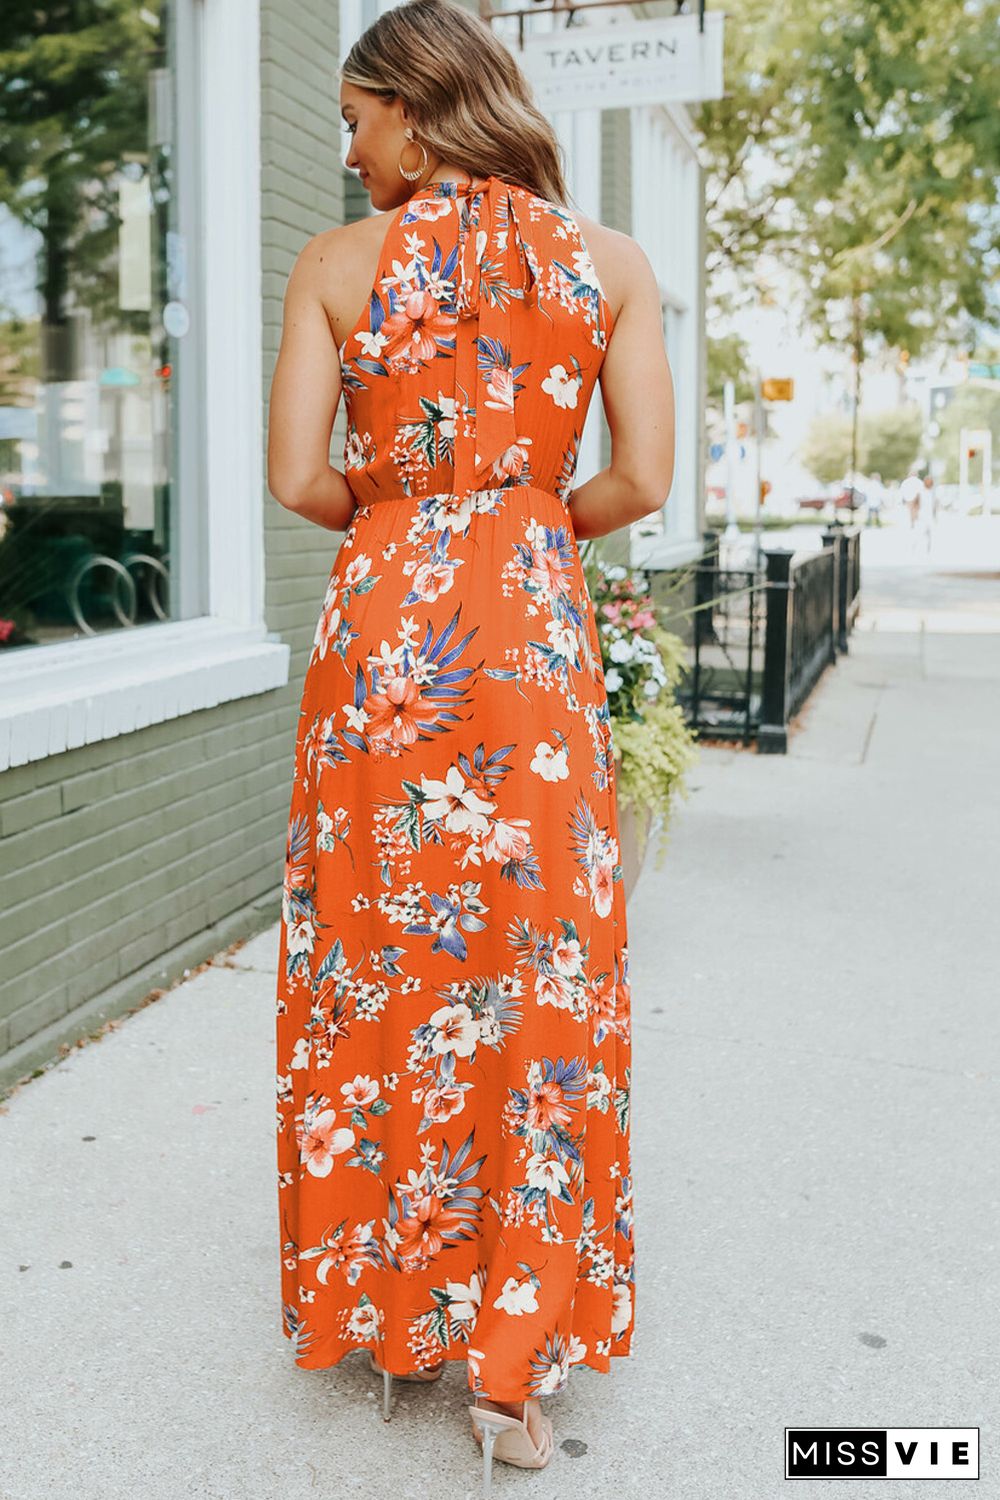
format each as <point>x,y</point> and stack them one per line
<point>58,697</point>
<point>663,553</point>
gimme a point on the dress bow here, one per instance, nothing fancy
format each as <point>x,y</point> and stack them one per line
<point>494,269</point>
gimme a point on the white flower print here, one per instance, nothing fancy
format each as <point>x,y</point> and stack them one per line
<point>363,1322</point>
<point>359,1093</point>
<point>465,1299</point>
<point>546,1172</point>
<point>562,638</point>
<point>457,1030</point>
<point>622,1309</point>
<point>548,763</point>
<point>585,270</point>
<point>372,344</point>
<point>566,955</point>
<point>321,1143</point>
<point>517,1297</point>
<point>431,580</point>
<point>461,807</point>
<point>561,386</point>
<point>359,567</point>
<point>446,426</point>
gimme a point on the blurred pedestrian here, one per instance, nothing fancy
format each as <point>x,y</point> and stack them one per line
<point>928,510</point>
<point>876,500</point>
<point>909,493</point>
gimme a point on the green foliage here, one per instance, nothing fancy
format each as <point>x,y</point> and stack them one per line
<point>890,442</point>
<point>973,405</point>
<point>858,146</point>
<point>642,666</point>
<point>728,358</point>
<point>656,751</point>
<point>74,109</point>
<point>826,452</point>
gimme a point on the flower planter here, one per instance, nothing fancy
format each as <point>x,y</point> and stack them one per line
<point>633,822</point>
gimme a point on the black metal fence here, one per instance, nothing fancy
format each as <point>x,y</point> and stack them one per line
<point>762,636</point>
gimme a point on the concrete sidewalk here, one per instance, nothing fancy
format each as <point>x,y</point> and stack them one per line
<point>816,1091</point>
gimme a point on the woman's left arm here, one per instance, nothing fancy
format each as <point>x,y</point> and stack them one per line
<point>305,393</point>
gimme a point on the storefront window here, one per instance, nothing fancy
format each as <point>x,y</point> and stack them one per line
<point>96,307</point>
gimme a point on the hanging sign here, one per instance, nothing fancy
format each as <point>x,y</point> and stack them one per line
<point>660,61</point>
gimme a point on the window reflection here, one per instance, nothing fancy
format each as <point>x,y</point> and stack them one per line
<point>91,269</point>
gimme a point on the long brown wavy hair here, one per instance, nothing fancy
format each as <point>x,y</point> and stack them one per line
<point>471,104</point>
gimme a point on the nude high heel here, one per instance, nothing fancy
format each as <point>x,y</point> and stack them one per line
<point>507,1438</point>
<point>423,1376</point>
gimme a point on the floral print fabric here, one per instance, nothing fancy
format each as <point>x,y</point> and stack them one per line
<point>453,1008</point>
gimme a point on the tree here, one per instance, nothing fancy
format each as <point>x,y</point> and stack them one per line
<point>890,441</point>
<point>826,451</point>
<point>728,359</point>
<point>73,109</point>
<point>859,144</point>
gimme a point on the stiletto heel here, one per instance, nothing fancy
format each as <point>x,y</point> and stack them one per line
<point>507,1438</point>
<point>425,1377</point>
<point>489,1438</point>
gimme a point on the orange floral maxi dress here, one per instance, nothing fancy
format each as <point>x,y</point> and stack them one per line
<point>453,1010</point>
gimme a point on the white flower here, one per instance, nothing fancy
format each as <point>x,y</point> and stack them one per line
<point>561,386</point>
<point>465,1299</point>
<point>372,344</point>
<point>545,1172</point>
<point>621,650</point>
<point>300,936</point>
<point>562,639</point>
<point>613,679</point>
<point>622,1307</point>
<point>446,426</point>
<point>651,689</point>
<point>584,268</point>
<point>566,955</point>
<point>516,1297</point>
<point>461,807</point>
<point>458,1030</point>
<point>548,763</point>
<point>360,1092</point>
<point>551,1382</point>
<point>363,1322</point>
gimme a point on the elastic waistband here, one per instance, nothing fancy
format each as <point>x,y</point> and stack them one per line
<point>485,499</point>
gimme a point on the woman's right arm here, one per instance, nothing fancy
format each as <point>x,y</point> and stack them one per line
<point>305,392</point>
<point>638,392</point>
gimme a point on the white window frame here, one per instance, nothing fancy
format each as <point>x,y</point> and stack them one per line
<point>666,222</point>
<point>60,696</point>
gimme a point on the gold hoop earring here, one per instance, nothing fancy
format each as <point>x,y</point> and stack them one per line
<point>412,176</point>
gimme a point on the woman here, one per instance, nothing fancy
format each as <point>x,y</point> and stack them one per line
<point>453,1000</point>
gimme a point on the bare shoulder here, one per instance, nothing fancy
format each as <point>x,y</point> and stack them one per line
<point>338,266</point>
<point>622,265</point>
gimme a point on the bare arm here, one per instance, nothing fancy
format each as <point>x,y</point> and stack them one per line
<point>638,393</point>
<point>305,393</point>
